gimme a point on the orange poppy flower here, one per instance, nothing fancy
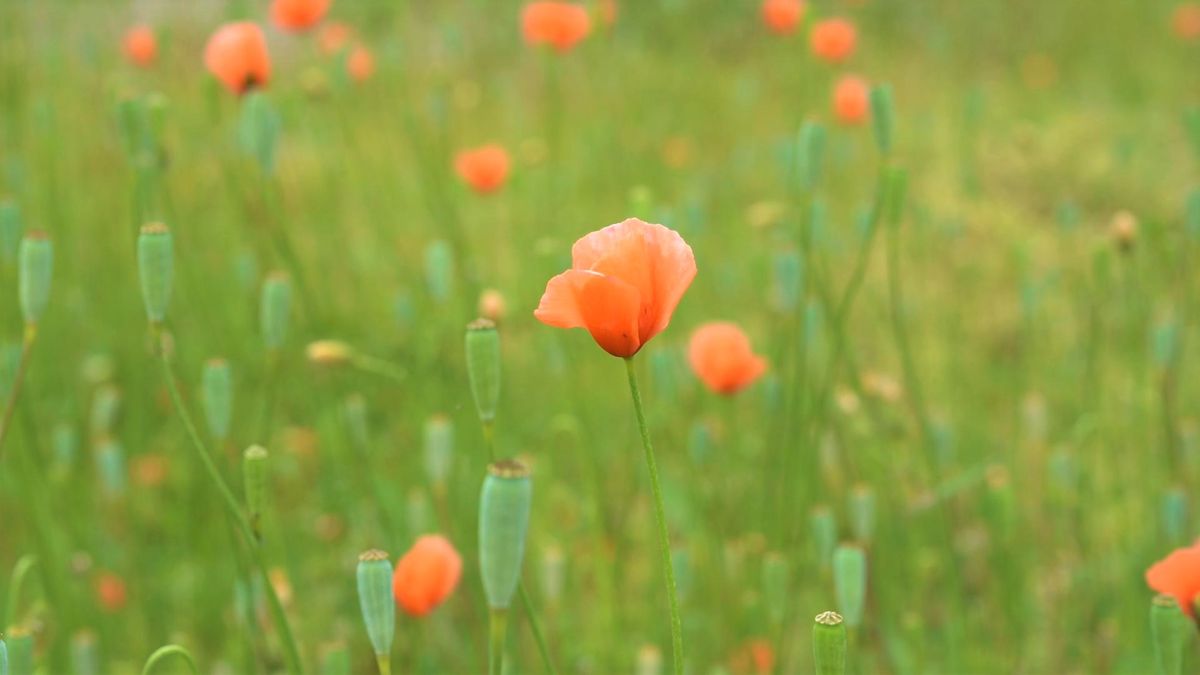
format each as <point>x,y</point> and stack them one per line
<point>334,36</point>
<point>1178,575</point>
<point>624,283</point>
<point>111,592</point>
<point>298,15</point>
<point>833,40</point>
<point>721,357</point>
<point>782,16</point>
<point>485,168</point>
<point>851,100</point>
<point>755,656</point>
<point>237,56</point>
<point>360,64</point>
<point>1185,21</point>
<point>426,575</point>
<point>560,24</point>
<point>140,46</point>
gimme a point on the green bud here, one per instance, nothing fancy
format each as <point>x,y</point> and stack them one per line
<point>882,116</point>
<point>10,231</point>
<point>810,153</point>
<point>439,448</point>
<point>375,598</point>
<point>84,657</point>
<point>1171,629</point>
<point>439,270</point>
<point>823,534</point>
<point>850,582</point>
<point>258,130</point>
<point>20,652</point>
<point>156,267</point>
<point>829,644</point>
<point>110,460</point>
<point>36,269</point>
<point>862,512</point>
<point>504,506</point>
<point>775,585</point>
<point>274,309</point>
<point>254,476</point>
<point>483,366</point>
<point>216,396</point>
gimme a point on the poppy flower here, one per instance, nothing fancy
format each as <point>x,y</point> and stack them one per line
<point>559,24</point>
<point>426,575</point>
<point>111,592</point>
<point>851,100</point>
<point>721,357</point>
<point>484,168</point>
<point>1185,21</point>
<point>140,46</point>
<point>755,656</point>
<point>298,15</point>
<point>782,16</point>
<point>334,36</point>
<point>833,40</point>
<point>625,281</point>
<point>360,64</point>
<point>237,56</point>
<point>1178,575</point>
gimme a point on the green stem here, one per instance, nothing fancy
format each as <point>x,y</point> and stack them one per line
<point>168,651</point>
<point>664,537</point>
<point>377,366</point>
<point>384,661</point>
<point>498,631</point>
<point>22,365</point>
<point>15,584</point>
<point>291,653</point>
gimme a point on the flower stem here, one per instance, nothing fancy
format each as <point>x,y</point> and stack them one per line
<point>384,661</point>
<point>170,650</point>
<point>499,628</point>
<point>22,365</point>
<point>661,516</point>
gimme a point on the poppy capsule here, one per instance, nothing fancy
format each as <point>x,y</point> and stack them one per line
<point>237,56</point>
<point>1178,575</point>
<point>36,268</point>
<point>721,357</point>
<point>298,15</point>
<point>374,577</point>
<point>782,16</point>
<point>504,506</point>
<point>1171,629</point>
<point>623,286</point>
<point>139,46</point>
<point>558,24</point>
<point>851,100</point>
<point>483,367</point>
<point>360,64</point>
<point>274,310</point>
<point>829,644</point>
<point>84,656</point>
<point>156,268</point>
<point>484,168</point>
<point>833,40</point>
<point>20,650</point>
<point>850,581</point>
<point>426,575</point>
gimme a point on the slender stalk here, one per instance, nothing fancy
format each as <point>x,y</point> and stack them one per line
<point>498,625</point>
<point>384,661</point>
<point>15,584</point>
<point>664,537</point>
<point>377,366</point>
<point>291,653</point>
<point>22,365</point>
<point>167,651</point>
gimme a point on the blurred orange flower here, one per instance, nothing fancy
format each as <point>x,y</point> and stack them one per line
<point>140,46</point>
<point>334,36</point>
<point>298,15</point>
<point>151,469</point>
<point>833,40</point>
<point>721,357</point>
<point>237,56</point>
<point>756,656</point>
<point>1178,575</point>
<point>851,100</point>
<point>484,168</point>
<point>560,24</point>
<point>111,592</point>
<point>624,283</point>
<point>782,16</point>
<point>360,64</point>
<point>1185,21</point>
<point>426,575</point>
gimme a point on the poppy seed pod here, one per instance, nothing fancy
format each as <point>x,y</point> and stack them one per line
<point>829,644</point>
<point>504,506</point>
<point>10,231</point>
<point>1171,629</point>
<point>850,582</point>
<point>274,310</point>
<point>483,367</point>
<point>84,656</point>
<point>36,270</point>
<point>810,152</point>
<point>882,117</point>
<point>258,130</point>
<point>20,651</point>
<point>216,385</point>
<point>375,597</point>
<point>254,475</point>
<point>110,461</point>
<point>156,269</point>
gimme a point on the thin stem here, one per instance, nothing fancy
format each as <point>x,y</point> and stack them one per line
<point>22,365</point>
<point>377,366</point>
<point>384,661</point>
<point>664,537</point>
<point>498,630</point>
<point>167,651</point>
<point>15,584</point>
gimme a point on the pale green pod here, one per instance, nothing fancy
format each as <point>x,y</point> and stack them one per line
<point>504,506</point>
<point>862,512</point>
<point>775,585</point>
<point>375,598</point>
<point>850,582</point>
<point>216,396</point>
<point>483,367</point>
<point>1171,629</point>
<point>10,231</point>
<point>20,652</point>
<point>36,265</point>
<point>274,310</point>
<point>789,281</point>
<point>439,448</point>
<point>439,270</point>
<point>258,130</point>
<point>665,371</point>
<point>823,532</point>
<point>1175,515</point>
<point>156,269</point>
<point>882,116</point>
<point>110,460</point>
<point>810,154</point>
<point>254,477</point>
<point>85,659</point>
<point>829,644</point>
<point>106,406</point>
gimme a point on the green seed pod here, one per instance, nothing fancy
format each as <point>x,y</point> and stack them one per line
<point>258,130</point>
<point>439,448</point>
<point>110,460</point>
<point>20,652</point>
<point>850,582</point>
<point>274,310</point>
<point>789,282</point>
<point>829,644</point>
<point>504,505</point>
<point>375,599</point>
<point>84,657</point>
<point>775,585</point>
<point>1175,515</point>
<point>824,534</point>
<point>216,396</point>
<point>439,270</point>
<point>10,232</point>
<point>882,116</point>
<point>1171,629</point>
<point>106,406</point>
<point>810,152</point>
<point>862,512</point>
<point>483,367</point>
<point>36,268</point>
<point>156,267</point>
<point>254,475</point>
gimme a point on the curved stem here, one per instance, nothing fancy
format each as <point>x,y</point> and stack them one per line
<point>22,365</point>
<point>15,584</point>
<point>664,537</point>
<point>168,651</point>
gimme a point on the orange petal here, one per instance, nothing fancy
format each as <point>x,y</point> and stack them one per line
<point>607,306</point>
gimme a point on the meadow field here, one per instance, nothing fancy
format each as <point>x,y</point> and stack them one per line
<point>901,293</point>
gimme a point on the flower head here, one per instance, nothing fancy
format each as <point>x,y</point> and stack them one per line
<point>426,575</point>
<point>298,15</point>
<point>851,100</point>
<point>140,46</point>
<point>833,40</point>
<point>1178,575</point>
<point>559,24</point>
<point>360,63</point>
<point>782,16</point>
<point>237,56</point>
<point>484,168</point>
<point>721,357</point>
